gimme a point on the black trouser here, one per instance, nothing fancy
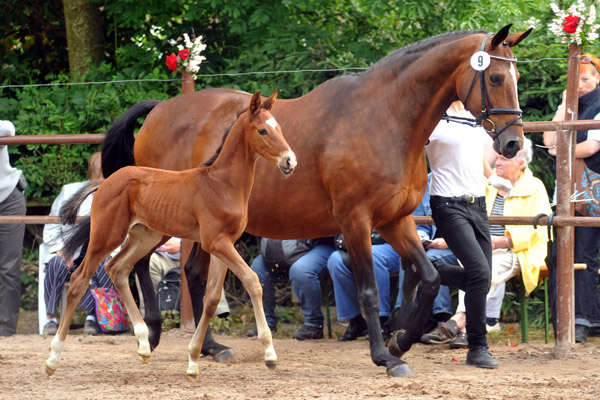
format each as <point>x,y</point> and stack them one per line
<point>465,228</point>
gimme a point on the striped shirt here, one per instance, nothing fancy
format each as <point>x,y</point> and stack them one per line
<point>497,211</point>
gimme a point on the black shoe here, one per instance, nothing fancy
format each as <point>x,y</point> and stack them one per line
<point>50,328</point>
<point>581,333</point>
<point>356,329</point>
<point>436,336</point>
<point>449,328</point>
<point>460,342</point>
<point>90,327</point>
<point>308,332</point>
<point>480,357</point>
<point>254,331</point>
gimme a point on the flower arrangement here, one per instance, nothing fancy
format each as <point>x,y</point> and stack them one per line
<point>188,57</point>
<point>575,25</point>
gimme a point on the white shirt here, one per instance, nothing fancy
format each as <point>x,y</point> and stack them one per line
<point>9,176</point>
<point>455,152</point>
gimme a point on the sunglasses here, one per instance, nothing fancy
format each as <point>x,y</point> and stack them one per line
<point>588,60</point>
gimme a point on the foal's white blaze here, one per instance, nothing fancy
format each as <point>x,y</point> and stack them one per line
<point>513,73</point>
<point>271,122</point>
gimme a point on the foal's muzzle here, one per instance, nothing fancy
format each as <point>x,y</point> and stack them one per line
<point>287,162</point>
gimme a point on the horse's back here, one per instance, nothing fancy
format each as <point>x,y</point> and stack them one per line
<point>189,128</point>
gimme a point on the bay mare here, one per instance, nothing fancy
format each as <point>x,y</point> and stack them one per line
<point>361,143</point>
<point>143,207</point>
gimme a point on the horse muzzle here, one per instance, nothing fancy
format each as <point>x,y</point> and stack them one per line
<point>287,162</point>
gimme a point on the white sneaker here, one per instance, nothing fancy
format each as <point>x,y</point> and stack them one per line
<point>493,328</point>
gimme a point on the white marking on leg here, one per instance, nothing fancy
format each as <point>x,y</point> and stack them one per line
<point>271,121</point>
<point>192,370</point>
<point>141,333</point>
<point>56,347</point>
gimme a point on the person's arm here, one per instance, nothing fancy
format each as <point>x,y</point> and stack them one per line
<point>587,148</point>
<point>550,136</point>
<point>487,169</point>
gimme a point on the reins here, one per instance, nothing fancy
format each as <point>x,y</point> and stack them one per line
<point>485,112</point>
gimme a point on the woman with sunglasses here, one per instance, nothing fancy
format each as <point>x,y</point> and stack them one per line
<point>587,239</point>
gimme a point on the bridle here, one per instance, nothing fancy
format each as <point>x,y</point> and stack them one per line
<point>486,112</point>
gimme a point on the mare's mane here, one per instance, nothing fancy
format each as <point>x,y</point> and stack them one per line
<point>214,157</point>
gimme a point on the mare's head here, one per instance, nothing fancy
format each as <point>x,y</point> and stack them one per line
<point>264,135</point>
<point>487,85</point>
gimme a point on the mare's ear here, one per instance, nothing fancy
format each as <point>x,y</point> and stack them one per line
<point>500,36</point>
<point>268,103</point>
<point>516,38</point>
<point>254,103</point>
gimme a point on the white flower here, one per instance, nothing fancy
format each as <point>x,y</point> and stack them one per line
<point>192,64</point>
<point>586,25</point>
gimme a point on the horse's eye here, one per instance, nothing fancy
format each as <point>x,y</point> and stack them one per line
<point>262,132</point>
<point>496,79</point>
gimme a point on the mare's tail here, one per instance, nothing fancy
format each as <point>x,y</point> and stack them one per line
<point>117,149</point>
<point>80,234</point>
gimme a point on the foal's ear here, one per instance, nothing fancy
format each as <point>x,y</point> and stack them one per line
<point>254,103</point>
<point>268,104</point>
<point>516,38</point>
<point>500,36</point>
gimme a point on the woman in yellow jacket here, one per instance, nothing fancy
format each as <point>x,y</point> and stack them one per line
<point>516,248</point>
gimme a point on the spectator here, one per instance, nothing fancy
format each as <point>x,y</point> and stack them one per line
<point>12,202</point>
<point>304,263</point>
<point>58,269</point>
<point>587,239</point>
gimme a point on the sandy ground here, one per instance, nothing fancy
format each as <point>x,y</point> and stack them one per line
<point>107,367</point>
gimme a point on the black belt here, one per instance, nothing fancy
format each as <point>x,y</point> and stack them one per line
<point>467,198</point>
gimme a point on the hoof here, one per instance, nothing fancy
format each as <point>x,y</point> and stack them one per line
<point>225,356</point>
<point>401,371</point>
<point>393,346</point>
<point>144,359</point>
<point>271,364</point>
<point>49,371</point>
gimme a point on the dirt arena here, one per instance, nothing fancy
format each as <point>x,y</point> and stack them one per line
<point>106,367</point>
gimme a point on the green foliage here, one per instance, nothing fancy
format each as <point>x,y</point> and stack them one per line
<point>171,320</point>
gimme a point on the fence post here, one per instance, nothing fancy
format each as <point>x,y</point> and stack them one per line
<point>565,144</point>
<point>187,313</point>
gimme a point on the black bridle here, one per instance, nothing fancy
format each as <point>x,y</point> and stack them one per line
<point>486,112</point>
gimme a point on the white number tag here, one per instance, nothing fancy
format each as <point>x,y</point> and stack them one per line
<point>480,61</point>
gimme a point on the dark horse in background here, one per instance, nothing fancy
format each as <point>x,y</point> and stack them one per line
<point>360,142</point>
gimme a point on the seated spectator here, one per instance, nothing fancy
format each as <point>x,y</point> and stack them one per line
<point>304,263</point>
<point>58,269</point>
<point>516,248</point>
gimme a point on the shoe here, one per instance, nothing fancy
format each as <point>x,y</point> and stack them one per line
<point>449,328</point>
<point>581,333</point>
<point>460,342</point>
<point>254,331</point>
<point>356,329</point>
<point>436,336</point>
<point>90,328</point>
<point>50,328</point>
<point>307,332</point>
<point>480,357</point>
<point>492,325</point>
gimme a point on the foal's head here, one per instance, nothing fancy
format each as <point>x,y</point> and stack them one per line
<point>264,135</point>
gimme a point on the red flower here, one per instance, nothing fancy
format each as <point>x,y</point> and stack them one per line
<point>571,22</point>
<point>184,54</point>
<point>172,62</point>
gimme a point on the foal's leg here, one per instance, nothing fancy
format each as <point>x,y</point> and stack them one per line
<point>227,253</point>
<point>141,241</point>
<point>216,277</point>
<point>402,235</point>
<point>80,281</point>
<point>152,316</point>
<point>196,272</point>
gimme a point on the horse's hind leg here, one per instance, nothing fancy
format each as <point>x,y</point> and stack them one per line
<point>77,289</point>
<point>152,316</point>
<point>196,271</point>
<point>216,277</point>
<point>141,241</point>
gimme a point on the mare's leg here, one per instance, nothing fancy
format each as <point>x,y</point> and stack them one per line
<point>403,237</point>
<point>152,316</point>
<point>196,272</point>
<point>216,277</point>
<point>227,253</point>
<point>358,242</point>
<point>80,281</point>
<point>141,241</point>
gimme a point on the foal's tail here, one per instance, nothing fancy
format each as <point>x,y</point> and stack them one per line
<point>80,234</point>
<point>117,149</point>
